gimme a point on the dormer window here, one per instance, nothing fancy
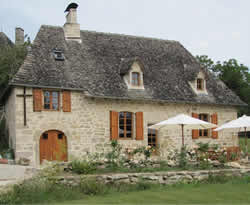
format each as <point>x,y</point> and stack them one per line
<point>132,73</point>
<point>200,84</point>
<point>58,55</point>
<point>135,78</point>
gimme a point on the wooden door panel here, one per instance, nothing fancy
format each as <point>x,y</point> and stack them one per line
<point>54,148</point>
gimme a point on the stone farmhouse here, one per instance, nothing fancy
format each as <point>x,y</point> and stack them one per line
<point>77,90</point>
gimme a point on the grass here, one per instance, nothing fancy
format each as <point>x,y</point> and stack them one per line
<point>233,192</point>
<point>242,144</point>
<point>42,191</point>
<point>215,190</point>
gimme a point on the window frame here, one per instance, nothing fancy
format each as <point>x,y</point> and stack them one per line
<point>200,84</point>
<point>58,55</point>
<point>137,79</point>
<point>51,100</point>
<point>125,125</point>
<point>203,131</point>
<point>150,135</point>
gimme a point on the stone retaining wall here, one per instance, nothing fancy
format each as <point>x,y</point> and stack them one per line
<point>156,177</point>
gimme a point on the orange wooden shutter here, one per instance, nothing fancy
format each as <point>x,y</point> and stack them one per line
<point>195,133</point>
<point>37,100</point>
<point>139,126</point>
<point>66,101</point>
<point>114,124</point>
<point>214,120</point>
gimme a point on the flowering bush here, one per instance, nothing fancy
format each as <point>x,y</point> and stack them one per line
<point>145,150</point>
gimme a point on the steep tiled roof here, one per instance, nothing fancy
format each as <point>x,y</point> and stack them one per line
<point>98,63</point>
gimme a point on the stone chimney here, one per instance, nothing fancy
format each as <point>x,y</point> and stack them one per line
<point>19,36</point>
<point>71,27</point>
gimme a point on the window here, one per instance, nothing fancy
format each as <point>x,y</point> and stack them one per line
<point>51,100</point>
<point>200,84</point>
<point>135,78</point>
<point>58,55</point>
<point>45,136</point>
<point>205,132</point>
<point>60,136</point>
<point>152,138</point>
<point>125,125</point>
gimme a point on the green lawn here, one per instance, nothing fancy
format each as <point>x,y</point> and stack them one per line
<point>242,144</point>
<point>229,193</point>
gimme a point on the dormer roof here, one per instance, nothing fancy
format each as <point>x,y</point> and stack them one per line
<point>126,64</point>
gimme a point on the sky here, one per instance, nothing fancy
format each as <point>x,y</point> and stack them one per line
<point>217,28</point>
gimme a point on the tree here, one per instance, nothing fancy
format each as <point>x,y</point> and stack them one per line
<point>236,76</point>
<point>11,58</point>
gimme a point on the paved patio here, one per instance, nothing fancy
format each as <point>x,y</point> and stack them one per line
<point>13,173</point>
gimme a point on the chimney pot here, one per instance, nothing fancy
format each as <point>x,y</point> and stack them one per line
<point>71,27</point>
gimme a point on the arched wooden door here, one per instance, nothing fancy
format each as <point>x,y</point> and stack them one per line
<point>53,146</point>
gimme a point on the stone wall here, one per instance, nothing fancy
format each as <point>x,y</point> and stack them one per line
<point>10,116</point>
<point>156,177</point>
<point>87,127</point>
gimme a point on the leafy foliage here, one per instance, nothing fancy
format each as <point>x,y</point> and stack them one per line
<point>11,58</point>
<point>183,161</point>
<point>83,166</point>
<point>236,76</point>
<point>4,139</point>
<point>114,155</point>
<point>203,147</point>
<point>145,150</point>
<point>44,189</point>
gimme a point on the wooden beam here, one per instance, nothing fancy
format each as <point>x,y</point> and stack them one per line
<point>24,95</point>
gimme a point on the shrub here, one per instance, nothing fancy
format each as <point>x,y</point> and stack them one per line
<point>203,147</point>
<point>41,190</point>
<point>145,150</point>
<point>92,187</point>
<point>217,179</point>
<point>83,167</point>
<point>222,158</point>
<point>182,158</point>
<point>38,190</point>
<point>114,156</point>
<point>204,163</point>
<point>4,136</point>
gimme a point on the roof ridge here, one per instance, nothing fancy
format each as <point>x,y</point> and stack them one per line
<point>118,34</point>
<point>131,36</point>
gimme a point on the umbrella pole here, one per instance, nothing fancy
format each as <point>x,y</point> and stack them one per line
<point>246,141</point>
<point>182,130</point>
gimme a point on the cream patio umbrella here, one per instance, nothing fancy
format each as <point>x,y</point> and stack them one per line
<point>241,122</point>
<point>184,120</point>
